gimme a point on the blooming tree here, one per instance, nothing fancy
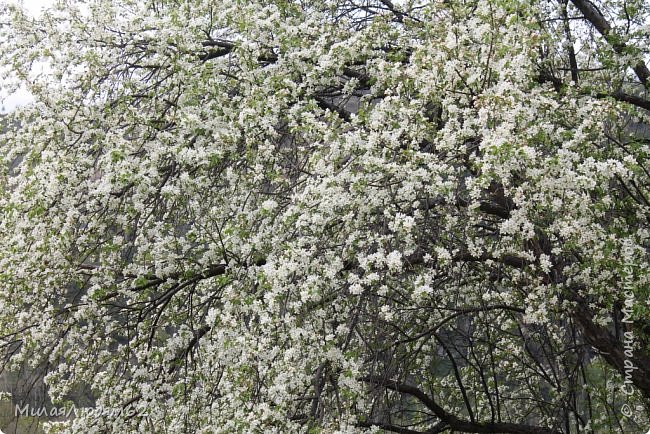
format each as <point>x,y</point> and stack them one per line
<point>334,216</point>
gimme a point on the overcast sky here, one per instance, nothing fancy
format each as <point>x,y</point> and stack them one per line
<point>35,6</point>
<point>21,96</point>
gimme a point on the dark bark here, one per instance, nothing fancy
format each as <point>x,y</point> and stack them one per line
<point>453,422</point>
<point>600,23</point>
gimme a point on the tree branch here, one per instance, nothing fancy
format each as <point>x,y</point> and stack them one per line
<point>596,18</point>
<point>635,369</point>
<point>388,427</point>
<point>454,422</point>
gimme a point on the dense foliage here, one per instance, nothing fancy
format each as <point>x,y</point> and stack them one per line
<point>332,216</point>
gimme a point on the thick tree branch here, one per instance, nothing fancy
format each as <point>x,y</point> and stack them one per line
<point>618,95</point>
<point>630,99</point>
<point>573,63</point>
<point>327,105</point>
<point>389,427</point>
<point>635,369</point>
<point>596,18</point>
<point>190,346</point>
<point>454,422</point>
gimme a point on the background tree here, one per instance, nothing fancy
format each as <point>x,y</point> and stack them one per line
<point>337,216</point>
